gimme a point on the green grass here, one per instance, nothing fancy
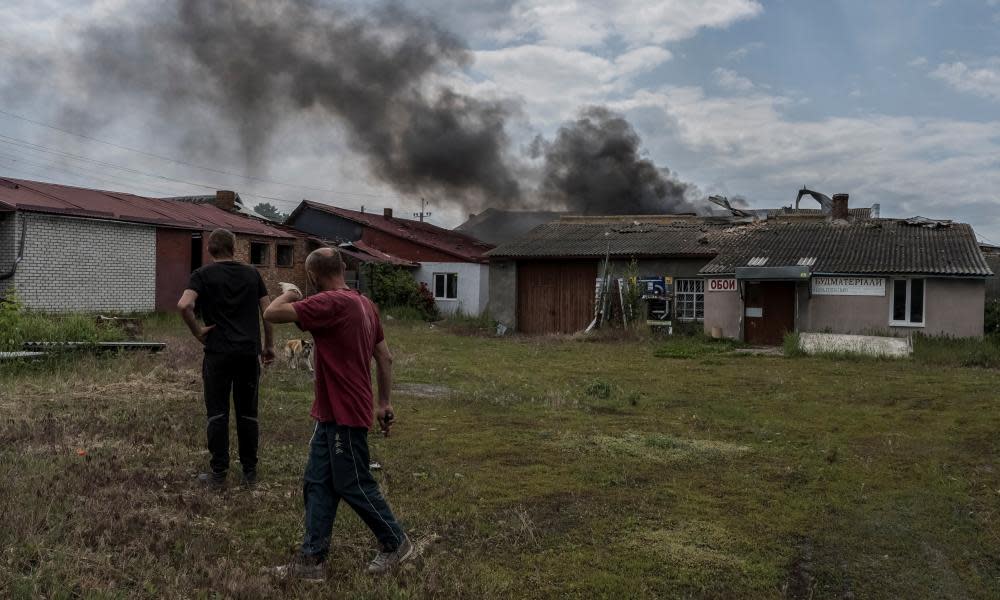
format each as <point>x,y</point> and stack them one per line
<point>549,467</point>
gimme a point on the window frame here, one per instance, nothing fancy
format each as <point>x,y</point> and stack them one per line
<point>277,253</point>
<point>434,287</point>
<point>909,300</point>
<point>678,294</point>
<point>267,253</point>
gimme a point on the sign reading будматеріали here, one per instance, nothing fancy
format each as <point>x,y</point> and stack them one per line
<point>848,286</point>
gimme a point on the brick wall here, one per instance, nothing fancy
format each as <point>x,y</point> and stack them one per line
<point>75,264</point>
<point>270,272</point>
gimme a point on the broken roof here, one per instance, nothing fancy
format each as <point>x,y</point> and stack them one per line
<point>496,226</point>
<point>585,238</point>
<point>52,198</point>
<point>450,242</point>
<point>877,246</point>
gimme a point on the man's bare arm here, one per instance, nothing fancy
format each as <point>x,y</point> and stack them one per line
<point>383,373</point>
<point>268,353</point>
<point>281,310</point>
<point>186,306</point>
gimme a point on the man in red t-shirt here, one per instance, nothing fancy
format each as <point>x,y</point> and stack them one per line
<point>347,334</point>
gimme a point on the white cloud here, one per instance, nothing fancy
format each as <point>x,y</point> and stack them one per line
<point>917,62</point>
<point>554,82</point>
<point>931,166</point>
<point>583,23</point>
<point>731,80</point>
<point>981,81</point>
<point>742,52</point>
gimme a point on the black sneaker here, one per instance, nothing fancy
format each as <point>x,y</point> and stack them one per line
<point>250,478</point>
<point>304,567</point>
<point>386,561</point>
<point>213,479</point>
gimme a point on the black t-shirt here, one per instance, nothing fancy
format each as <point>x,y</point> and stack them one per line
<point>229,296</point>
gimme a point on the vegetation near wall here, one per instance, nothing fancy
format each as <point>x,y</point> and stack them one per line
<point>19,325</point>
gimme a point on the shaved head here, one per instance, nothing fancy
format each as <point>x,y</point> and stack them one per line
<point>324,263</point>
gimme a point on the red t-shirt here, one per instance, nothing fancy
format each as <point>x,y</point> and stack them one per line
<point>345,328</point>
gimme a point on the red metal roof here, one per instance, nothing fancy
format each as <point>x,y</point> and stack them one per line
<point>36,196</point>
<point>458,245</point>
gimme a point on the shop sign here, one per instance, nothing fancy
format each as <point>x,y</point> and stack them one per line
<point>848,286</point>
<point>721,285</point>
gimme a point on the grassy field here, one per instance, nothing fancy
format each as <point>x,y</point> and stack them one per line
<point>547,467</point>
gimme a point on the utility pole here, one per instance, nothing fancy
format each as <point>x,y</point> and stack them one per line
<point>423,213</point>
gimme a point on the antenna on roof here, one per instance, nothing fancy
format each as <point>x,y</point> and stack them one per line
<point>420,215</point>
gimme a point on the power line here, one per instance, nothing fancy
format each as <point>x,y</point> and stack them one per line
<point>39,147</point>
<point>78,171</point>
<point>190,164</point>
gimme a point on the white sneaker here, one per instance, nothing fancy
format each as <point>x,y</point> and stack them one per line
<point>386,561</point>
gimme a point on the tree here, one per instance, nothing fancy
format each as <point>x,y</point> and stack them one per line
<point>270,211</point>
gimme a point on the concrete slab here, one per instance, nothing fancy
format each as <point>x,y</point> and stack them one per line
<point>871,345</point>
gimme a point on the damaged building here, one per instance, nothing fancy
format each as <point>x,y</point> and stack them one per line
<point>751,278</point>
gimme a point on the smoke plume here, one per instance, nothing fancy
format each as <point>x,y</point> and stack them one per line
<point>594,166</point>
<point>219,70</point>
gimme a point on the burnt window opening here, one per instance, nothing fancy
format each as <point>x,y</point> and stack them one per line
<point>196,251</point>
<point>285,255</point>
<point>259,253</point>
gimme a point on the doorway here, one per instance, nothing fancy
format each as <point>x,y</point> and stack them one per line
<point>769,312</point>
<point>195,251</point>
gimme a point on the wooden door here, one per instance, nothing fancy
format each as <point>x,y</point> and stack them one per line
<point>769,312</point>
<point>555,296</point>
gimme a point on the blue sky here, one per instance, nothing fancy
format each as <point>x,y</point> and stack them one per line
<point>894,102</point>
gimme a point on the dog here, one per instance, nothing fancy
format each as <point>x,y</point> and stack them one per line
<point>299,351</point>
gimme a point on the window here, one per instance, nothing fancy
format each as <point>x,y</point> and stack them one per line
<point>690,299</point>
<point>259,253</point>
<point>285,255</point>
<point>445,286</point>
<point>907,302</point>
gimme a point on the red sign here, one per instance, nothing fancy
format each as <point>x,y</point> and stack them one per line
<point>722,285</point>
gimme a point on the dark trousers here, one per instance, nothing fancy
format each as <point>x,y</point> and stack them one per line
<point>338,470</point>
<point>236,374</point>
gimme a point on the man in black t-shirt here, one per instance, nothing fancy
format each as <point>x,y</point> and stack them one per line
<point>231,297</point>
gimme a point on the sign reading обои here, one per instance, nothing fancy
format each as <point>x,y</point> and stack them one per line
<point>848,286</point>
<point>721,285</point>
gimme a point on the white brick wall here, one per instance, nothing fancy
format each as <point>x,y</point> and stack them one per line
<point>73,264</point>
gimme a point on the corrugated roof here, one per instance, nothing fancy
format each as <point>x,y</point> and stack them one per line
<point>877,246</point>
<point>366,253</point>
<point>582,239</point>
<point>36,196</point>
<point>450,242</point>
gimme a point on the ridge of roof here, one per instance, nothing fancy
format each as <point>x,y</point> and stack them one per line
<point>60,199</point>
<point>444,240</point>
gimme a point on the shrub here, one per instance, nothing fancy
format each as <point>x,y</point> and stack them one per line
<point>394,287</point>
<point>792,344</point>
<point>992,317</point>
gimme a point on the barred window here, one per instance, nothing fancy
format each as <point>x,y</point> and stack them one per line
<point>690,299</point>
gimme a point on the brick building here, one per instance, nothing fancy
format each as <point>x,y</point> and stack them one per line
<point>451,264</point>
<point>95,250</point>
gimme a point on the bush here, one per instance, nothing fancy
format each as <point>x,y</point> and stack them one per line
<point>19,325</point>
<point>394,287</point>
<point>792,344</point>
<point>993,317</point>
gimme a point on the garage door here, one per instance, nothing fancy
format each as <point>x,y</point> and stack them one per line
<point>555,296</point>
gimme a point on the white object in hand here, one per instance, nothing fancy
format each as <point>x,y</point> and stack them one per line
<point>285,287</point>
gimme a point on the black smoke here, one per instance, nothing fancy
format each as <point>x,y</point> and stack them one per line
<point>594,166</point>
<point>223,71</point>
<point>258,63</point>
